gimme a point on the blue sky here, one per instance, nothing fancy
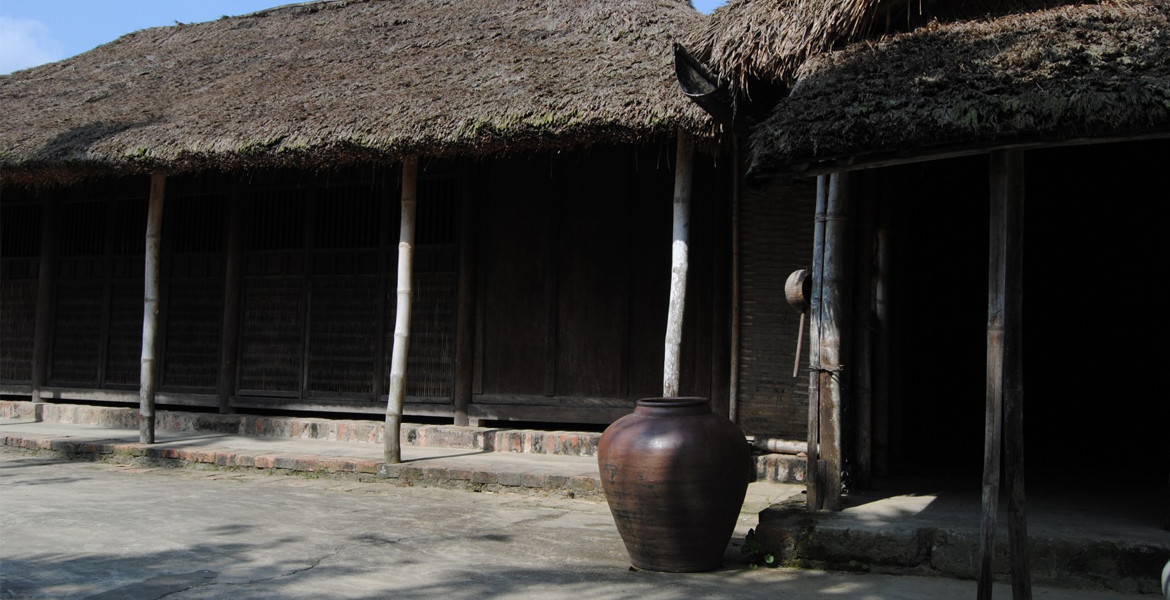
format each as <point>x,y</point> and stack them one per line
<point>34,32</point>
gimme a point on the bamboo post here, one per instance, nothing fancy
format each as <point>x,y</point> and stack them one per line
<point>233,278</point>
<point>46,275</point>
<point>465,304</point>
<point>1004,411</point>
<point>813,471</point>
<point>392,446</point>
<point>835,325</point>
<point>684,158</point>
<point>147,381</point>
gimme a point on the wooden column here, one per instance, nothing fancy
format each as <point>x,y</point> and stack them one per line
<point>392,446</point>
<point>813,472</point>
<point>465,301</point>
<point>147,379</point>
<point>233,279</point>
<point>835,323</point>
<point>684,157</point>
<point>46,278</point>
<point>1004,411</point>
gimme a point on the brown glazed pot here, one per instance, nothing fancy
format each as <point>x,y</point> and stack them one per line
<point>675,475</point>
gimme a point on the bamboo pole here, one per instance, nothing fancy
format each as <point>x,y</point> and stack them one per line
<point>44,317</point>
<point>684,159</point>
<point>813,471</point>
<point>233,278</point>
<point>150,307</point>
<point>1004,411</point>
<point>835,323</point>
<point>392,445</point>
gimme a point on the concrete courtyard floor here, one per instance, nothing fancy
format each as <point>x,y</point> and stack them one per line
<point>100,530</point>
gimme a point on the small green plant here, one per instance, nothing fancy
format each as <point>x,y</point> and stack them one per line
<point>754,551</point>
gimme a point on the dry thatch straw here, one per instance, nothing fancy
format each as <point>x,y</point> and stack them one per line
<point>343,80</point>
<point>1072,72</point>
<point>765,41</point>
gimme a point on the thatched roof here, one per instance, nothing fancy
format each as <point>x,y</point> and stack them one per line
<point>1072,72</point>
<point>338,80</point>
<point>748,42</point>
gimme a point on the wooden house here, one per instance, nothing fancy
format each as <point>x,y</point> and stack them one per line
<point>545,136</point>
<point>881,129</point>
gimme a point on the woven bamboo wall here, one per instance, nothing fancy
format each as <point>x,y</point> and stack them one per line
<point>776,230</point>
<point>430,368</point>
<point>80,295</point>
<point>77,333</point>
<point>18,308</point>
<point>194,321</point>
<point>343,303</point>
<point>271,341</point>
<point>193,272</point>
<point>124,350</point>
<point>20,239</point>
<point>342,335</point>
<point>271,346</point>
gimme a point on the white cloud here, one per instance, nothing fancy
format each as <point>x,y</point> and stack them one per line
<point>26,43</point>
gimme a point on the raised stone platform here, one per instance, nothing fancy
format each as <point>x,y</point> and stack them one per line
<point>774,468</point>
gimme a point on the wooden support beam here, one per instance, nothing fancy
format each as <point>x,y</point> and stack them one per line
<point>233,281</point>
<point>46,278</point>
<point>835,324</point>
<point>147,376</point>
<point>1004,410</point>
<point>1007,169</point>
<point>392,446</point>
<point>684,162</point>
<point>465,300</point>
<point>813,473</point>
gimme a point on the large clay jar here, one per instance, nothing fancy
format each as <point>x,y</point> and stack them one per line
<point>675,475</point>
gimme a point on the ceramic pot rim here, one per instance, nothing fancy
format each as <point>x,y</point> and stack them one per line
<point>681,402</point>
<point>672,407</point>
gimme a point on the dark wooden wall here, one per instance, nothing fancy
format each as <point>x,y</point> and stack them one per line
<point>574,275</point>
<point>572,257</point>
<point>97,326</point>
